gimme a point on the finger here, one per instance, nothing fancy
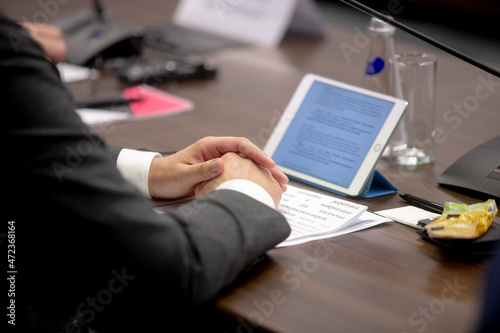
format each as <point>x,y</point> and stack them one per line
<point>206,170</point>
<point>280,177</point>
<point>218,146</point>
<point>250,150</point>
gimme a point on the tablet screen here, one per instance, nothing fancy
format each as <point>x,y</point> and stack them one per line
<point>332,132</point>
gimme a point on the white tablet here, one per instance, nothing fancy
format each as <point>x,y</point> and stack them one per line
<point>331,134</point>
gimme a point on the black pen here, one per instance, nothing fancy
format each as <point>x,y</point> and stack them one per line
<point>422,203</point>
<point>105,102</point>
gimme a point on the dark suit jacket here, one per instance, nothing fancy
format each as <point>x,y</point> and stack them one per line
<point>88,243</point>
<point>489,320</point>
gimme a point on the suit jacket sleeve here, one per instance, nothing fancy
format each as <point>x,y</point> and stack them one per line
<point>90,245</point>
<point>113,152</point>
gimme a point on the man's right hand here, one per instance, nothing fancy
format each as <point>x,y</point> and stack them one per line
<point>238,167</point>
<point>50,38</point>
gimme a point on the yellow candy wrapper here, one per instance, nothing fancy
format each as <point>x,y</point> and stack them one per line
<point>461,221</point>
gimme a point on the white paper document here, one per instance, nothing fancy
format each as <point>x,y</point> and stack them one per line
<point>74,73</point>
<point>98,117</point>
<point>315,216</point>
<point>408,215</point>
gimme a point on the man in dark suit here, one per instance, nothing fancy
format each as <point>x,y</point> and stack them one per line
<point>90,250</point>
<point>489,319</point>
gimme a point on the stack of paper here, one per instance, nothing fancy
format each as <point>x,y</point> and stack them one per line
<point>315,216</point>
<point>97,117</point>
<point>148,102</point>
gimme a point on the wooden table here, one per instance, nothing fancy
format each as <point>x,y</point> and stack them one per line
<point>384,279</point>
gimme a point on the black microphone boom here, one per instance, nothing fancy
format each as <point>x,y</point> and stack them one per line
<point>390,20</point>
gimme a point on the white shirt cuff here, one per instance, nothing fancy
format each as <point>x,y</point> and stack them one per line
<point>134,166</point>
<point>249,188</point>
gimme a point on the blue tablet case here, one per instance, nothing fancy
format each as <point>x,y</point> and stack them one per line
<point>376,186</point>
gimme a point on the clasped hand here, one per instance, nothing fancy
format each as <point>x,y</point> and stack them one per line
<point>210,161</point>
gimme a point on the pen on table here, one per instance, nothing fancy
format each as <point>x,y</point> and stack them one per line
<point>105,102</point>
<point>422,203</point>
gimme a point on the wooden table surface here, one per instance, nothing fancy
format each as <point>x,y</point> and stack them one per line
<point>384,279</point>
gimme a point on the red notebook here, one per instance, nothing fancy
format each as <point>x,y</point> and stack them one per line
<point>154,102</point>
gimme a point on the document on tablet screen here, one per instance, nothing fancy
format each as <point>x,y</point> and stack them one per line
<point>333,129</point>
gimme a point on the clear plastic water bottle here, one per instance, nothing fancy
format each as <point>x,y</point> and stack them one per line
<point>382,74</point>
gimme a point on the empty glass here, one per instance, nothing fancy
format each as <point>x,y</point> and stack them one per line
<point>417,72</point>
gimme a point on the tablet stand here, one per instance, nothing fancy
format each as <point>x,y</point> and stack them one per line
<point>376,186</point>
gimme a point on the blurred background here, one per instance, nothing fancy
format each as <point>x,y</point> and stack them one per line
<point>469,26</point>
